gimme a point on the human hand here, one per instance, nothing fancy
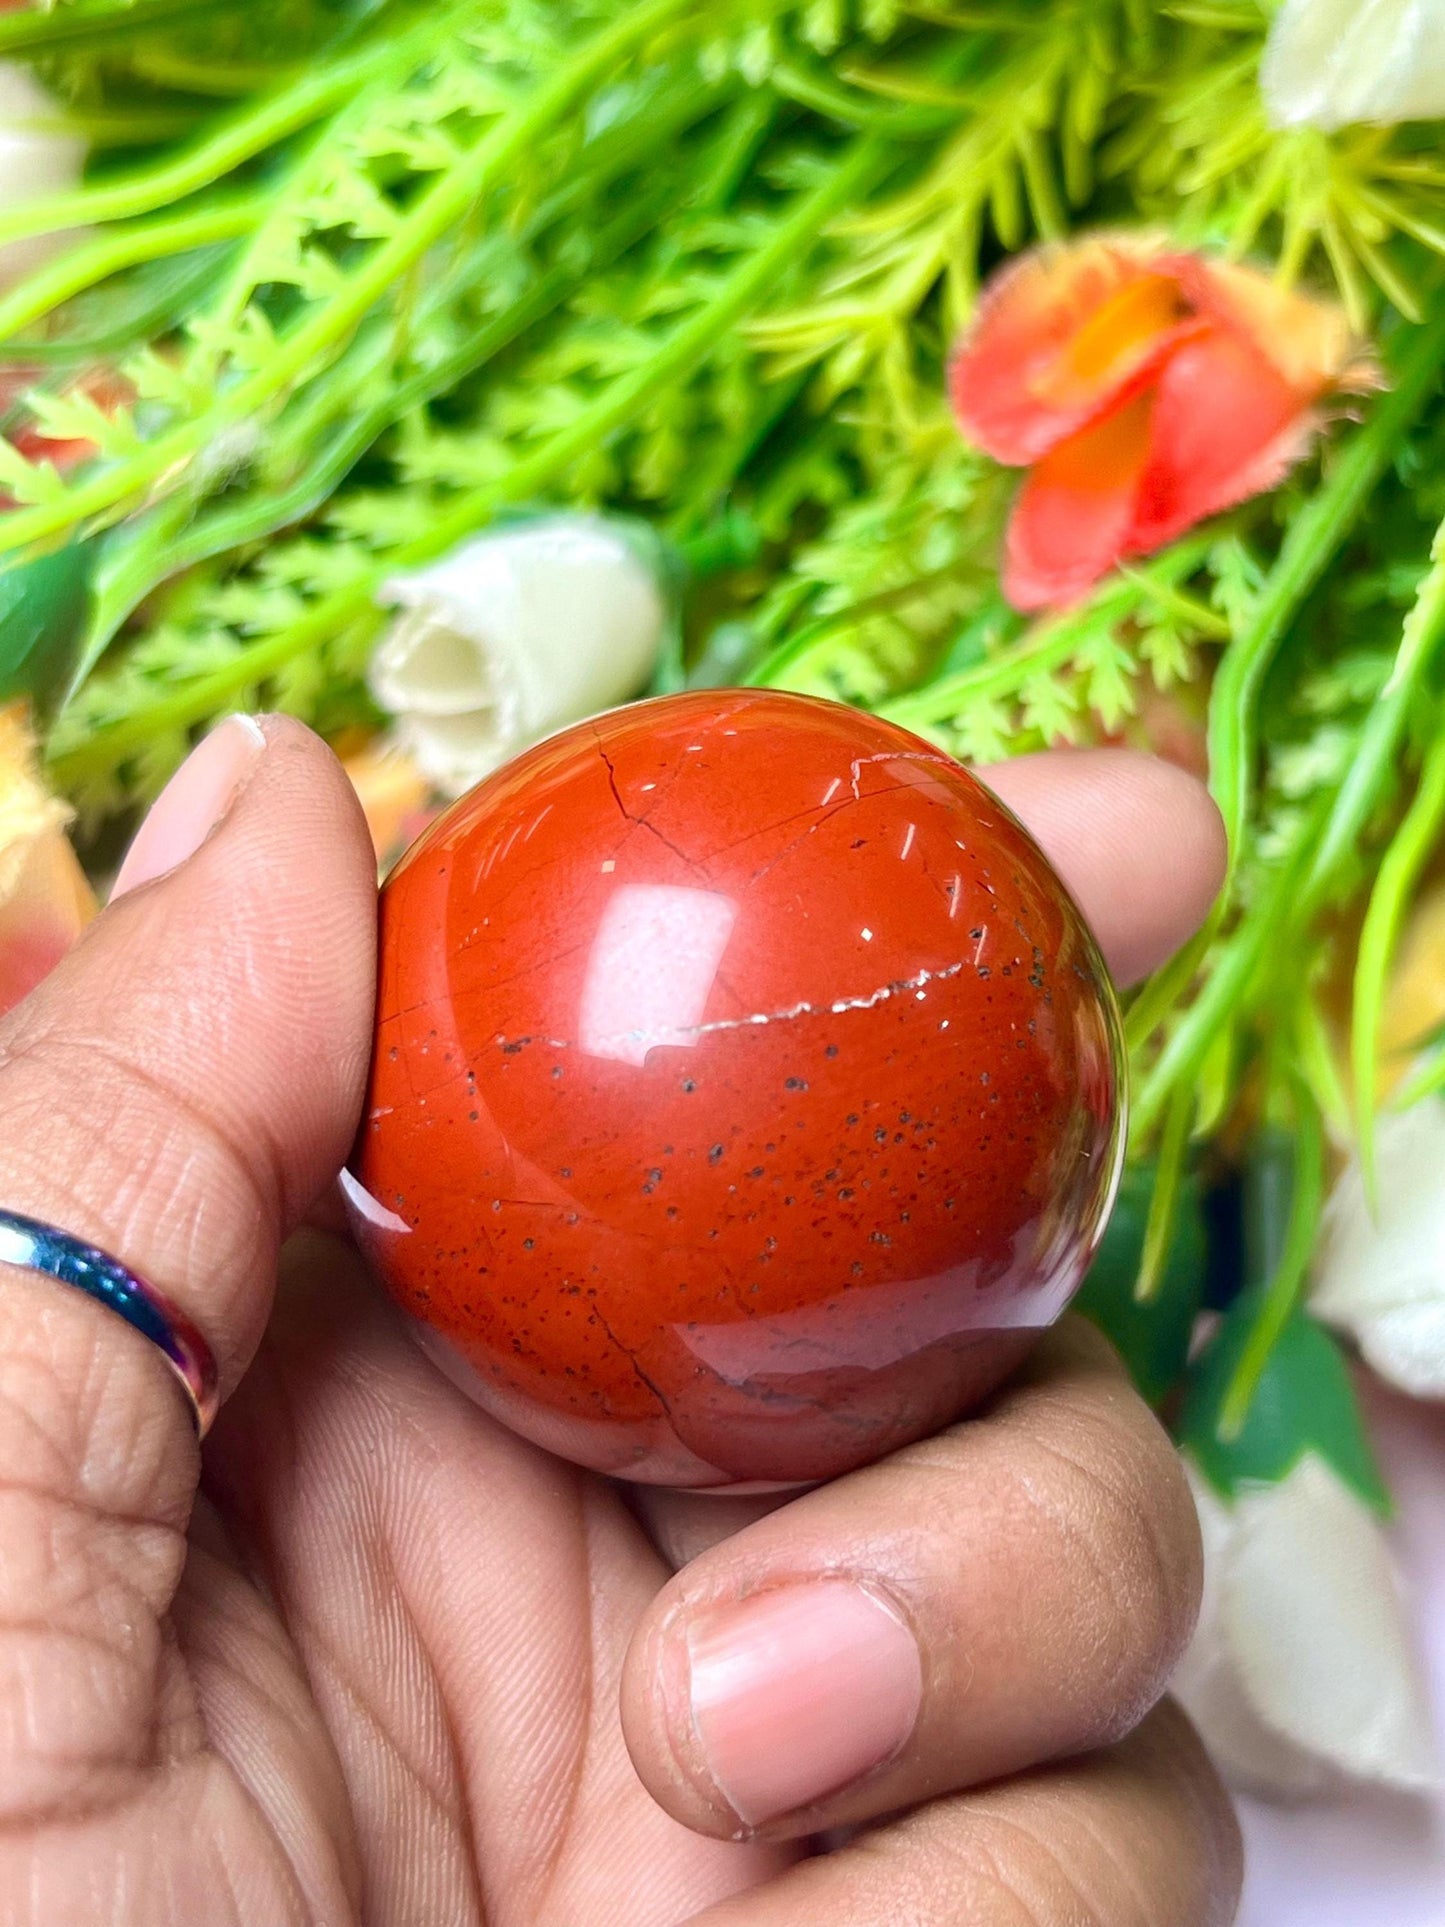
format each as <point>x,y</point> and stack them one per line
<point>379,1666</point>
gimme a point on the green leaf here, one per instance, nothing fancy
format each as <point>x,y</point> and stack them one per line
<point>1315,535</point>
<point>1152,1337</point>
<point>1267,1202</point>
<point>28,482</point>
<point>1108,664</point>
<point>72,25</point>
<point>1288,1268</point>
<point>1411,848</point>
<point>77,417</point>
<point>1304,1402</point>
<point>44,606</point>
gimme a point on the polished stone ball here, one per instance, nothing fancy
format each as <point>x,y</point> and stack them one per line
<point>746,1096</point>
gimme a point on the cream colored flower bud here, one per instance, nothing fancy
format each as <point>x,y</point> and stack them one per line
<point>39,156</point>
<point>1330,63</point>
<point>1301,1674</point>
<point>513,636</point>
<point>1381,1273</point>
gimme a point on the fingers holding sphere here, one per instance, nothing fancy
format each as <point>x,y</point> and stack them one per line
<point>1016,1588</point>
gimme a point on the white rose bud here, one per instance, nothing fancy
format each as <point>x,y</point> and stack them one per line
<point>1331,63</point>
<point>513,636</point>
<point>1381,1275</point>
<point>39,156</point>
<point>1301,1674</point>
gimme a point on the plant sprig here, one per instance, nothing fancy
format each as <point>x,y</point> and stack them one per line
<point>708,264</point>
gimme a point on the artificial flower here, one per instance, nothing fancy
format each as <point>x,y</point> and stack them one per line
<point>396,799</point>
<point>1301,1672</point>
<point>1380,1263</point>
<point>1144,389</point>
<point>102,388</point>
<point>1329,63</point>
<point>1381,1274</point>
<point>39,156</point>
<point>45,901</point>
<point>1367,1861</point>
<point>514,635</point>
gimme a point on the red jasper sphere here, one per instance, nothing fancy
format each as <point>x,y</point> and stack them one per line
<point>747,1091</point>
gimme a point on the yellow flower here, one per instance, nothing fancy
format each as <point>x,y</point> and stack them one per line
<point>396,799</point>
<point>45,901</point>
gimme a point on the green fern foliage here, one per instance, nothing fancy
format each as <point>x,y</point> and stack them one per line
<point>409,268</point>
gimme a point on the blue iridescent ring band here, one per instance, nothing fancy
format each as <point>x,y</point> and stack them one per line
<point>34,1246</point>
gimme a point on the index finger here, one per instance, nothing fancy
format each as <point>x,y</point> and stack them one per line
<point>1138,841</point>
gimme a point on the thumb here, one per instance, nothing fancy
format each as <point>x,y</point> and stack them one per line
<point>177,1092</point>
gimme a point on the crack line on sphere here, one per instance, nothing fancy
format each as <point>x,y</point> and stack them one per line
<point>860,763</point>
<point>670,1034</point>
<point>640,822</point>
<point>631,1356</point>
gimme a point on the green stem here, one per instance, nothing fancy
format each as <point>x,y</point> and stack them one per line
<point>108,128</point>
<point>440,208</point>
<point>1050,645</point>
<point>1427,1081</point>
<point>1319,1066</point>
<point>782,663</point>
<point>216,79</point>
<point>1407,855</point>
<point>1283,1290</point>
<point>1374,765</point>
<point>163,304</point>
<point>109,254</point>
<point>77,26</point>
<point>706,496</point>
<point>1169,1170</point>
<point>748,127</point>
<point>815,88</point>
<point>352,607</point>
<point>1173,601</point>
<point>1314,538</point>
<point>244,136</point>
<point>1224,987</point>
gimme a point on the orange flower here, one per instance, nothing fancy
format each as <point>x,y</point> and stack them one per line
<point>107,390</point>
<point>396,799</point>
<point>45,901</point>
<point>1144,390</point>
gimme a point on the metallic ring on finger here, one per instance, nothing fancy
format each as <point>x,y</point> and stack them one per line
<point>32,1245</point>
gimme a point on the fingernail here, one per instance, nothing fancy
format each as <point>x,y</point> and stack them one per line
<point>195,801</point>
<point>797,1693</point>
